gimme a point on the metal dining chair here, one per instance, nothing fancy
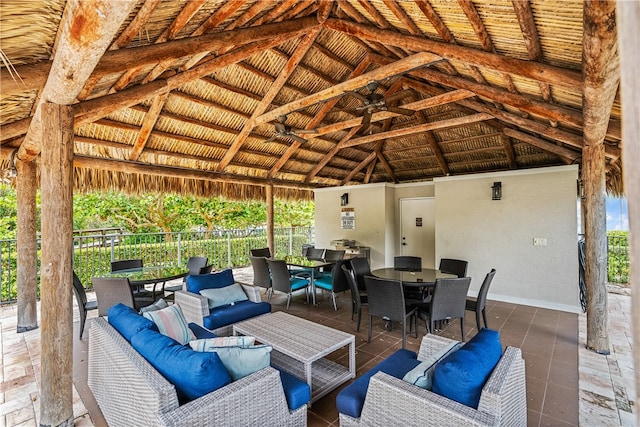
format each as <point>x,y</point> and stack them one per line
<point>315,254</point>
<point>264,252</point>
<point>447,302</point>
<point>261,274</point>
<point>282,281</point>
<point>453,266</point>
<point>479,304</point>
<point>407,263</point>
<point>360,268</point>
<point>386,300</point>
<point>335,282</point>
<point>113,290</point>
<point>357,299</point>
<point>81,298</point>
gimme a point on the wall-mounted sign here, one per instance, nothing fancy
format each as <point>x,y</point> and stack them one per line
<point>418,222</point>
<point>348,219</point>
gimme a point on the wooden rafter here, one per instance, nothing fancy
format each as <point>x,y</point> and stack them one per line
<point>296,58</point>
<point>147,125</point>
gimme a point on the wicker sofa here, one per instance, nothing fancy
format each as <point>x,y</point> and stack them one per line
<point>220,320</point>
<point>130,391</point>
<point>392,401</point>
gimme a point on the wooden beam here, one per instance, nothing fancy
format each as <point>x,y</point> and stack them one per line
<point>270,219</point>
<point>532,70</point>
<point>301,50</point>
<point>563,152</point>
<point>443,124</point>
<point>628,15</point>
<point>147,125</point>
<point>85,36</point>
<point>401,66</point>
<point>601,76</point>
<point>530,105</point>
<point>513,119</point>
<point>322,113</point>
<point>327,157</point>
<point>434,101</point>
<point>136,25</point>
<point>182,173</point>
<point>435,20</point>
<point>508,149</point>
<point>358,168</point>
<point>56,272</point>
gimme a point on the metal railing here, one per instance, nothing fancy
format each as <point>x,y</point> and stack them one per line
<point>93,253</point>
<point>618,259</point>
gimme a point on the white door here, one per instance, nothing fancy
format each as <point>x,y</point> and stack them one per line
<point>418,229</point>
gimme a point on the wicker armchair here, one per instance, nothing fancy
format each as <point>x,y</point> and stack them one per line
<point>391,401</point>
<point>131,392</point>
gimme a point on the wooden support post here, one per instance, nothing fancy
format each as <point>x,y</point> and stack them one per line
<point>56,182</point>
<point>26,187</point>
<point>269,201</point>
<point>593,176</point>
<point>628,18</point>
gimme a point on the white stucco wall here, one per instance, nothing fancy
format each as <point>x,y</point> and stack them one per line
<point>538,203</point>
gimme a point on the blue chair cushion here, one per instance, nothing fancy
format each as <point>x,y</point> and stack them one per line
<point>296,391</point>
<point>461,375</point>
<point>219,279</point>
<point>324,282</point>
<point>200,332</point>
<point>193,373</point>
<point>351,399</point>
<point>297,283</point>
<point>229,314</point>
<point>127,321</point>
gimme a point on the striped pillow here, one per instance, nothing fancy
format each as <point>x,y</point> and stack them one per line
<point>171,322</point>
<point>207,344</point>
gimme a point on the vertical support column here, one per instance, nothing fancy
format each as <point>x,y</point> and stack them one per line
<point>628,17</point>
<point>26,187</point>
<point>56,182</point>
<point>593,175</point>
<point>270,239</point>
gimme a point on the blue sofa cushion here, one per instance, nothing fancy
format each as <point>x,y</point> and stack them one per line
<point>461,375</point>
<point>200,332</point>
<point>219,279</point>
<point>296,391</point>
<point>229,314</point>
<point>351,399</point>
<point>127,321</point>
<point>193,374</point>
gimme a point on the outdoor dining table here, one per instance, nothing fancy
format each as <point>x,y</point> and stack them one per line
<point>422,278</point>
<point>139,277</point>
<point>312,266</point>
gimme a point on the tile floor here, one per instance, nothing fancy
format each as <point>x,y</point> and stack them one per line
<point>567,385</point>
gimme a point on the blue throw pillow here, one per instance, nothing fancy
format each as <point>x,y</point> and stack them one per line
<point>127,321</point>
<point>218,279</point>
<point>224,296</point>
<point>193,374</point>
<point>242,361</point>
<point>461,375</point>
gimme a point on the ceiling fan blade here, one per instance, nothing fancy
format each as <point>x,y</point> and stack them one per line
<point>397,96</point>
<point>280,127</point>
<point>366,119</point>
<point>399,110</point>
<point>273,138</point>
<point>297,138</point>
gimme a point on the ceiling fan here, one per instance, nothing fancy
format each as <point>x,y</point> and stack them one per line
<point>374,102</point>
<point>283,130</point>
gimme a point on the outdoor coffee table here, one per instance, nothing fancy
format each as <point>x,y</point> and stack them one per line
<point>300,347</point>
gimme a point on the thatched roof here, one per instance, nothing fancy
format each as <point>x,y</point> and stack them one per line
<point>189,94</point>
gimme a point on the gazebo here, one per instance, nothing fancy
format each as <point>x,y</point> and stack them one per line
<point>264,99</point>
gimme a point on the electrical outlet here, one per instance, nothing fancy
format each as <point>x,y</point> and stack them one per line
<point>539,241</point>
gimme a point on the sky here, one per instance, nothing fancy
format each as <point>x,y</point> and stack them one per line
<point>617,216</point>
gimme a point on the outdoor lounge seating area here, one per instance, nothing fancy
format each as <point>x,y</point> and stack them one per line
<point>566,384</point>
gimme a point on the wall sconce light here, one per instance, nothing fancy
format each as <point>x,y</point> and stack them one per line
<point>496,191</point>
<point>13,172</point>
<point>344,199</point>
